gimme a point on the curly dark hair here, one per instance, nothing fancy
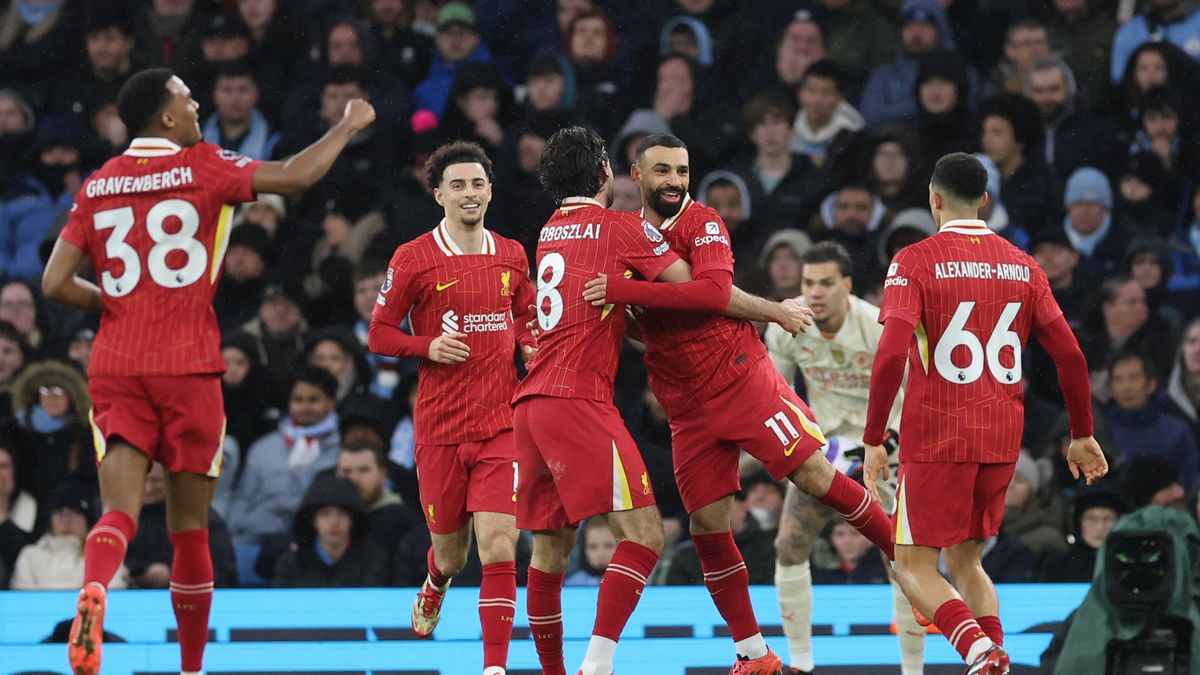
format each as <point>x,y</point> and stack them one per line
<point>458,152</point>
<point>572,163</point>
<point>960,175</point>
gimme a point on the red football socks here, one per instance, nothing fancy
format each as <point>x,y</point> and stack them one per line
<point>991,626</point>
<point>621,588</point>
<point>959,626</point>
<point>104,550</point>
<point>497,607</point>
<point>543,602</point>
<point>435,577</point>
<point>853,503</point>
<point>191,594</point>
<point>728,581</point>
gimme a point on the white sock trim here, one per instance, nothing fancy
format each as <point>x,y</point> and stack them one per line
<point>978,647</point>
<point>599,657</point>
<point>753,647</point>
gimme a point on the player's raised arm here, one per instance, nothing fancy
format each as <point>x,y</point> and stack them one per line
<point>300,171</point>
<point>60,281</point>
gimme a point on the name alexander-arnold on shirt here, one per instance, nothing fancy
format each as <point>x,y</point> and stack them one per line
<point>573,231</point>
<point>151,182</point>
<point>969,269</point>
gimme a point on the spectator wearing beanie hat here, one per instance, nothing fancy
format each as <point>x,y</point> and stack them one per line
<point>249,257</point>
<point>1095,514</point>
<point>55,562</point>
<point>1089,224</point>
<point>1033,516</point>
<point>330,547</point>
<point>1152,481</point>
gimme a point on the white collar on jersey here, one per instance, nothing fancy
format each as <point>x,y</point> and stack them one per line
<point>152,146</point>
<point>441,236</point>
<point>576,202</point>
<point>972,226</point>
<point>670,222</point>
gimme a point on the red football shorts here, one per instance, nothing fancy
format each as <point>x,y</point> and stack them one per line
<point>758,413</point>
<point>940,504</point>
<point>458,480</point>
<point>577,460</point>
<point>175,420</point>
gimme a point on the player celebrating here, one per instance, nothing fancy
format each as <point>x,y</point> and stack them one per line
<point>468,292</point>
<point>967,300</point>
<point>836,364</point>
<point>577,459</point>
<point>155,222</point>
<point>722,394</point>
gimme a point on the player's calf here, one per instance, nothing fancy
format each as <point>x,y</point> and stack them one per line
<point>818,478</point>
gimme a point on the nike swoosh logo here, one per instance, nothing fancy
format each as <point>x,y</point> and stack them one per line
<point>792,448</point>
<point>448,284</point>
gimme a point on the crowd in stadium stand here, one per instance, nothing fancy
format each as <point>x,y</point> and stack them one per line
<point>806,120</point>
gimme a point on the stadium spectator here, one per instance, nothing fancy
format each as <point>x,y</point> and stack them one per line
<point>859,38</point>
<point>1056,256</point>
<point>1164,132</point>
<point>149,556</point>
<point>852,217</point>
<point>907,227</point>
<point>945,113</point>
<point>336,351</point>
<point>729,196</point>
<point>733,40</point>
<point>51,405</point>
<point>277,50</point>
<point>894,169</point>
<point>21,306</point>
<point>827,128</point>
<point>385,370</point>
<point>14,352</point>
<point>279,466</point>
<point>18,512</point>
<point>55,561</point>
<point>590,48</point>
<point>390,518</point>
<point>1184,242</point>
<point>640,124</point>
<point>780,262</point>
<point>349,225</point>
<point>1089,224</point>
<point>890,94</point>
<point>237,123</point>
<point>626,194</point>
<point>1154,64</point>
<point>38,41</point>
<point>251,401</point>
<point>108,36</point>
<point>1033,516</point>
<point>801,43</point>
<point>1144,203</point>
<point>278,331</point>
<point>1152,481</point>
<point>854,561</point>
<point>31,209</point>
<point>517,180</point>
<point>1183,387</point>
<point>1176,21</point>
<point>1072,137</point>
<point>457,43</point>
<point>478,108</point>
<point>1121,322</point>
<point>402,50</point>
<point>17,122</point>
<point>330,546</point>
<point>1025,43</point>
<point>597,543</point>
<point>249,257</point>
<point>1095,513</point>
<point>698,117</point>
<point>1012,137</point>
<point>549,85</point>
<point>1141,424</point>
<point>1149,264</point>
<point>1081,33</point>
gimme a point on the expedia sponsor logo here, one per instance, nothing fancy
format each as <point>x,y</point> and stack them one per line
<point>712,228</point>
<point>712,239</point>
<point>474,323</point>
<point>895,281</point>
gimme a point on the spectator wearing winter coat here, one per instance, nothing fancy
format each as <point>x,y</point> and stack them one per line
<point>1119,324</point>
<point>890,94</point>
<point>1176,21</point>
<point>1033,516</point>
<point>995,213</point>
<point>729,196</point>
<point>1089,224</point>
<point>457,42</point>
<point>1096,511</point>
<point>391,519</point>
<point>18,512</point>
<point>331,547</point>
<point>55,561</point>
<point>1072,137</point>
<point>51,406</point>
<point>945,111</point>
<point>1081,33</point>
<point>1141,425</point>
<point>1183,387</point>
<point>827,128</point>
<point>1012,137</point>
<point>856,561</point>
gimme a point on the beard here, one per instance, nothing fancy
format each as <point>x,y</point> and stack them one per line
<point>660,205</point>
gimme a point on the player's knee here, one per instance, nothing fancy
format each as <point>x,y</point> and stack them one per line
<point>450,562</point>
<point>650,536</point>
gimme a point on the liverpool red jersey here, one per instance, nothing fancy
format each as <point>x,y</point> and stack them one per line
<point>155,222</point>
<point>691,356</point>
<point>579,344</point>
<point>972,299</point>
<point>443,289</point>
